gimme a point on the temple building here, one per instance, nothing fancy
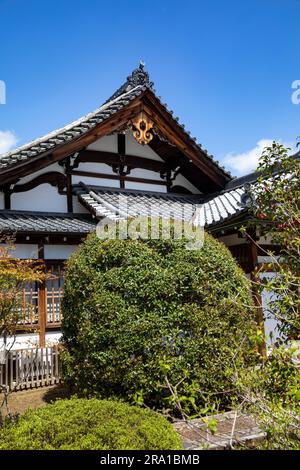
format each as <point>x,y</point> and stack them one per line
<point>54,190</point>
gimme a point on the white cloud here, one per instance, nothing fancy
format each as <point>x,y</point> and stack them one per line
<point>7,141</point>
<point>243,163</point>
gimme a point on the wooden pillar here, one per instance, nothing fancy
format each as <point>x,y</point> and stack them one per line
<point>68,171</point>
<point>7,196</point>
<point>122,153</point>
<point>253,259</point>
<point>42,302</point>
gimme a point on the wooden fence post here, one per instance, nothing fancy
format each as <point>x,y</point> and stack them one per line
<point>42,314</point>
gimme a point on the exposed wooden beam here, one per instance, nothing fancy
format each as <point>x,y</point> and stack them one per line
<point>54,178</point>
<point>117,177</point>
<point>110,158</point>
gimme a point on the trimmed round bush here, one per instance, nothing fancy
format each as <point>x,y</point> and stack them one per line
<point>141,318</point>
<point>78,424</point>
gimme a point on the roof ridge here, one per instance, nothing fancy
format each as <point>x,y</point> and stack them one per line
<point>138,77</point>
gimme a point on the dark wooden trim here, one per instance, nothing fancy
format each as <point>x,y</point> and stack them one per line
<point>121,144</point>
<point>7,199</point>
<point>261,250</point>
<point>68,171</point>
<point>54,178</point>
<point>50,239</point>
<point>118,177</point>
<point>41,251</point>
<point>110,158</point>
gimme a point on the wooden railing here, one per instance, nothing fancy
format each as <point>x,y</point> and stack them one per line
<point>41,303</point>
<point>30,368</point>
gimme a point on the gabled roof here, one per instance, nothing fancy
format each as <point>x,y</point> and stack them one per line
<point>136,85</point>
<point>68,133</point>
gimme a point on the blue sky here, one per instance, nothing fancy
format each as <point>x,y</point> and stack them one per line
<point>225,67</point>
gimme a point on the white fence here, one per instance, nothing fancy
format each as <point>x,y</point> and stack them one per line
<point>30,368</point>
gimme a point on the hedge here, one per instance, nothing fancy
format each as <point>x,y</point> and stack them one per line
<point>81,424</point>
<point>141,316</point>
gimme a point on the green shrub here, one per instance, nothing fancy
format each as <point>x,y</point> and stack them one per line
<point>90,424</point>
<point>142,316</point>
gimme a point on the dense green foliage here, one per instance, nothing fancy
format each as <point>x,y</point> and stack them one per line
<point>93,424</point>
<point>277,209</point>
<point>272,391</point>
<point>272,394</point>
<point>153,322</point>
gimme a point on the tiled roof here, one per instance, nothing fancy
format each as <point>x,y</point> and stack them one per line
<point>45,222</point>
<point>70,132</point>
<point>119,204</point>
<point>136,84</point>
<point>221,208</point>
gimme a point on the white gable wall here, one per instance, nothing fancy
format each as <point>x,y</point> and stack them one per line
<point>109,143</point>
<point>47,199</point>
<point>44,198</point>
<point>133,148</point>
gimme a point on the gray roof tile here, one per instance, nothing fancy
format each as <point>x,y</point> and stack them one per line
<point>120,204</point>
<point>46,222</point>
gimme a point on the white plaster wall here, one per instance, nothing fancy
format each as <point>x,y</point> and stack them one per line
<point>58,251</point>
<point>96,181</point>
<point>95,168</point>
<point>156,188</point>
<point>270,321</point>
<point>108,143</point>
<point>1,200</point>
<point>31,340</point>
<point>24,251</point>
<point>133,148</point>
<point>142,173</point>
<point>78,208</point>
<point>182,181</point>
<point>42,198</point>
